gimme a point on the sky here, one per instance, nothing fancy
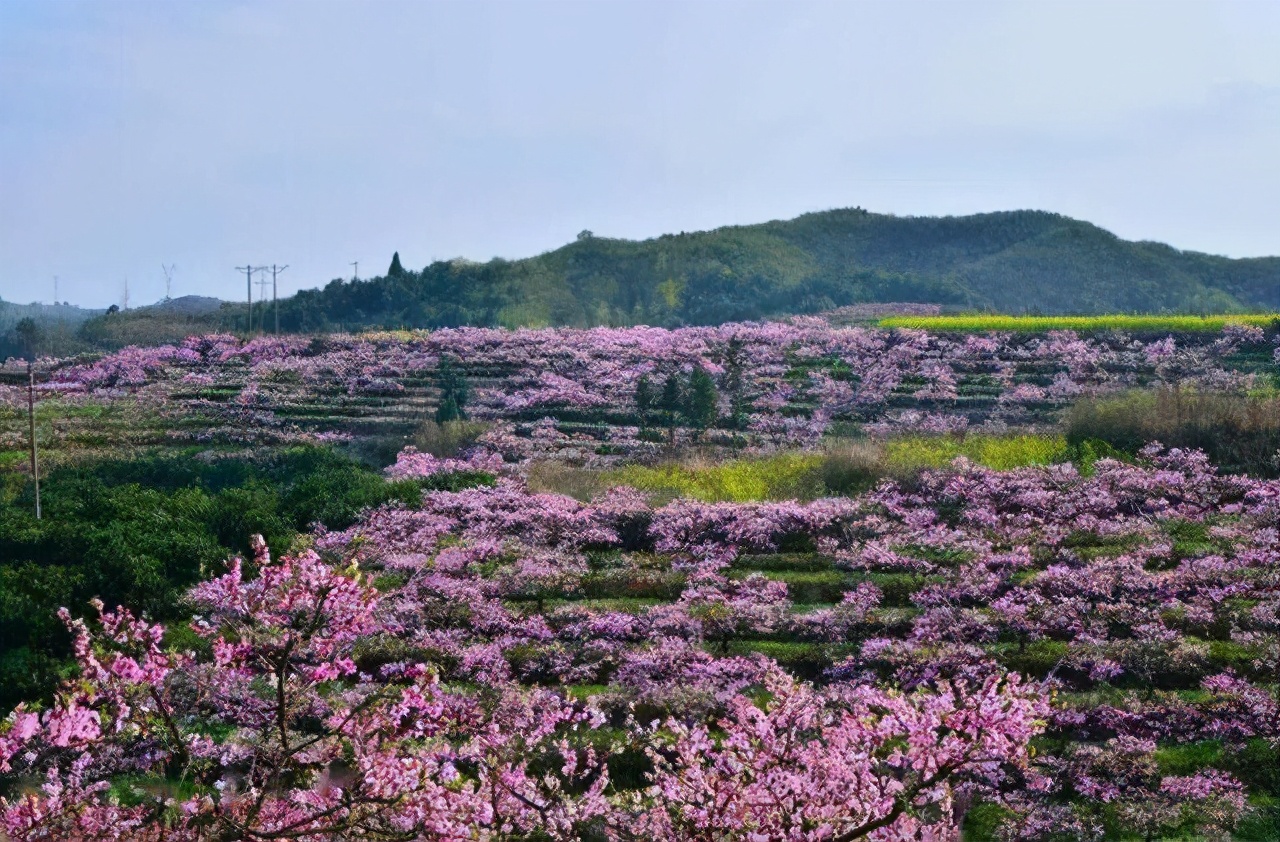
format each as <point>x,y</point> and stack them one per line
<point>316,134</point>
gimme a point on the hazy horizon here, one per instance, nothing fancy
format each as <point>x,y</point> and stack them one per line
<point>314,135</point>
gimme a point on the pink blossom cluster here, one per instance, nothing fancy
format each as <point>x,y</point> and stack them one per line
<point>412,463</point>
<point>288,729</point>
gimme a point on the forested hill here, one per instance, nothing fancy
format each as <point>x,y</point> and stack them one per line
<point>1011,262</point>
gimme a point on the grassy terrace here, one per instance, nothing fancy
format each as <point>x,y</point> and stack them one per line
<point>984,323</point>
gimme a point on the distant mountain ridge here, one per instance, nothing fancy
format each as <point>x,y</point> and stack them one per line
<point>1010,262</point>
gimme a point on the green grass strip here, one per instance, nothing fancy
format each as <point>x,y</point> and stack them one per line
<point>1001,453</point>
<point>783,477</point>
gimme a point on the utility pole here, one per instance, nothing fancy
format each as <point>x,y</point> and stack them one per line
<point>275,302</point>
<point>126,294</point>
<point>262,319</point>
<point>168,279</point>
<point>55,289</point>
<point>356,263</point>
<point>31,413</point>
<point>248,270</point>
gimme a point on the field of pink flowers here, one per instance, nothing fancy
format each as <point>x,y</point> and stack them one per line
<point>569,394</point>
<point>1044,653</point>
<point>1034,653</point>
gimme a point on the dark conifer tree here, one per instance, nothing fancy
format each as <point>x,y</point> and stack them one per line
<point>734,383</point>
<point>396,270</point>
<point>454,392</point>
<point>672,402</point>
<point>701,400</point>
<point>645,399</point>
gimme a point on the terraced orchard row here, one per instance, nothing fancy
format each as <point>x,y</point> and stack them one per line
<point>1031,654</point>
<point>573,394</point>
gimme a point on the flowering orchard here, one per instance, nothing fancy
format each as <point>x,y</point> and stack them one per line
<point>572,393</point>
<point>1032,654</point>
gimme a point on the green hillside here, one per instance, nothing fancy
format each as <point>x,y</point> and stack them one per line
<point>1011,262</point>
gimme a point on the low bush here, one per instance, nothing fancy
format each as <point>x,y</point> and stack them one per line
<point>447,440</point>
<point>1239,433</point>
<point>849,468</point>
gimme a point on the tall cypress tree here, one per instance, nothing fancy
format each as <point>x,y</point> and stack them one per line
<point>29,335</point>
<point>734,384</point>
<point>672,402</point>
<point>644,399</point>
<point>701,400</point>
<point>454,392</point>
<point>396,270</point>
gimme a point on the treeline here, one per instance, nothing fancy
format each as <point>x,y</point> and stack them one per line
<point>600,285</point>
<point>43,334</point>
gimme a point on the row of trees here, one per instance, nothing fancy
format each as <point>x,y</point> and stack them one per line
<point>694,400</point>
<point>455,392</point>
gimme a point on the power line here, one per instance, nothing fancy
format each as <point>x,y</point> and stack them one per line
<point>31,413</point>
<point>248,270</point>
<point>275,302</point>
<point>168,279</point>
<point>262,288</point>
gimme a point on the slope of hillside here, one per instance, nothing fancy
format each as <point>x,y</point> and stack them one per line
<point>42,328</point>
<point>1010,262</point>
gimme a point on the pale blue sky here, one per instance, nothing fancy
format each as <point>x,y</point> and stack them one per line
<point>318,133</point>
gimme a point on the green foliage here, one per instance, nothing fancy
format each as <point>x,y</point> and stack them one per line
<point>451,481</point>
<point>395,270</point>
<point>1037,658</point>
<point>735,364</point>
<point>30,336</point>
<point>844,468</point>
<point>671,401</point>
<point>645,399</point>
<point>454,392</point>
<point>152,326</point>
<point>1188,758</point>
<point>701,399</point>
<point>672,397</point>
<point>982,822</point>
<point>139,532</point>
